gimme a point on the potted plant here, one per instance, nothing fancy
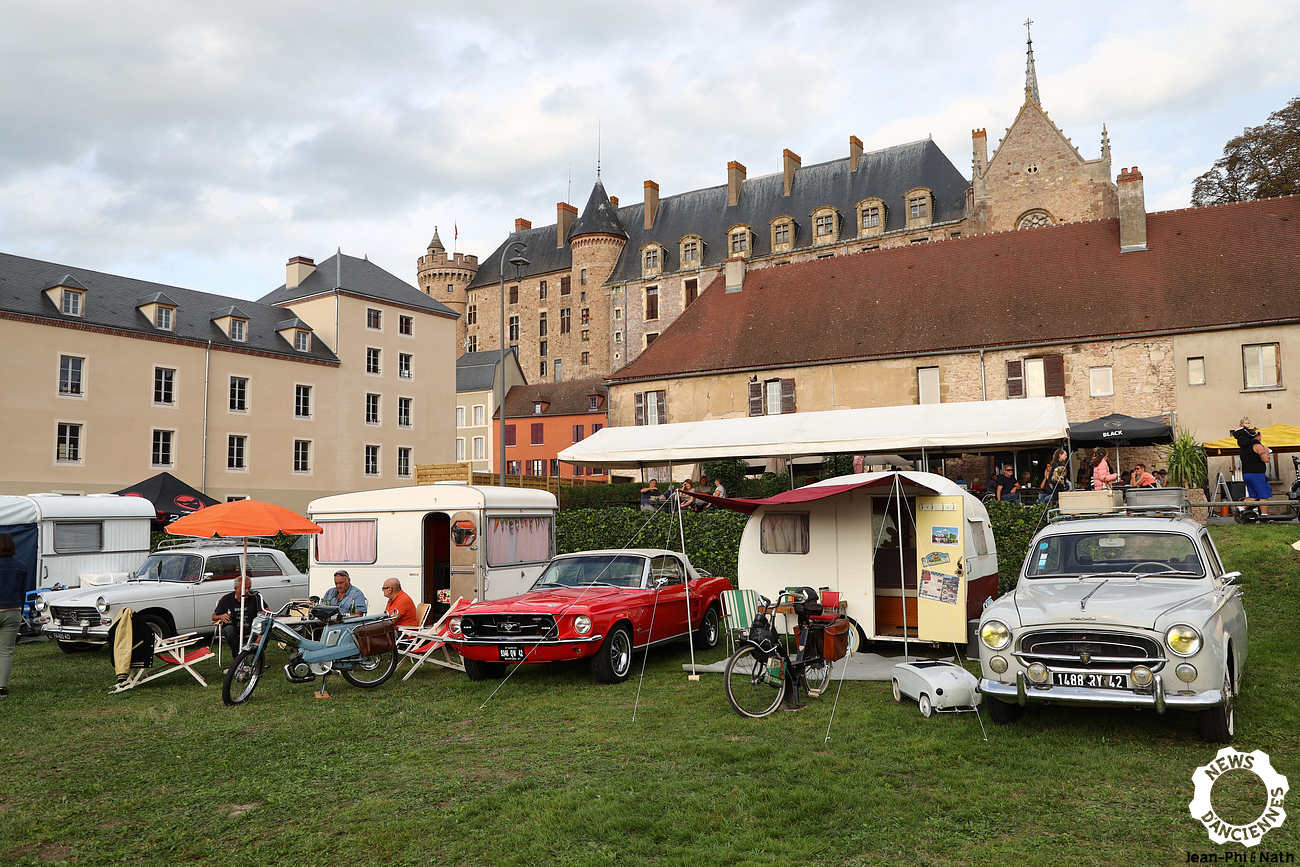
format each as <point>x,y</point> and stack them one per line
<point>1185,462</point>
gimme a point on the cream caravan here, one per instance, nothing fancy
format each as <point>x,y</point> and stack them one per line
<point>911,553</point>
<point>442,541</point>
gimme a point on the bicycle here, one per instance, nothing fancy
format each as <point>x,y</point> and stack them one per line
<point>761,674</point>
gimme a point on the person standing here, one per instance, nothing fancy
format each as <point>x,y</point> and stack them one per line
<point>13,585</point>
<point>1102,477</point>
<point>1254,469</point>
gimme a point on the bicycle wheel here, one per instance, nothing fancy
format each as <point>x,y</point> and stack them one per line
<point>368,672</point>
<point>241,678</point>
<point>753,690</point>
<point>817,673</point>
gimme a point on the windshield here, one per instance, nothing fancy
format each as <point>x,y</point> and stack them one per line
<point>617,570</point>
<point>1170,554</point>
<point>171,567</point>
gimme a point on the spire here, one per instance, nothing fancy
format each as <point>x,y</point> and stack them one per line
<point>1105,143</point>
<point>599,217</point>
<point>1031,77</point>
<point>435,246</point>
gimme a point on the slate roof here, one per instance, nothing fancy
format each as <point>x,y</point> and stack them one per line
<point>598,218</point>
<point>360,277</point>
<point>476,371</point>
<point>111,302</point>
<point>884,174</point>
<point>1204,267</point>
<point>565,398</point>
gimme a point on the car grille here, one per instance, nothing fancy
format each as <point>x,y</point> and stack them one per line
<point>508,626</point>
<point>74,616</point>
<point>1088,650</point>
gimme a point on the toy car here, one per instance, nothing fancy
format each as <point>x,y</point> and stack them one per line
<point>936,685</point>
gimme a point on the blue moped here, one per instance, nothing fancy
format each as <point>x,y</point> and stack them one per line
<point>362,649</point>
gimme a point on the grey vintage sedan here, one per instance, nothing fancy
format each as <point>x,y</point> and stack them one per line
<point>1126,611</point>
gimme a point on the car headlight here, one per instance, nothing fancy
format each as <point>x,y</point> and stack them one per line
<point>1183,640</point>
<point>101,605</point>
<point>995,634</point>
<point>42,606</point>
<point>582,624</point>
<point>454,625</point>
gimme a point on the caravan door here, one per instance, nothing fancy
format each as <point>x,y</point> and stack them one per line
<point>941,585</point>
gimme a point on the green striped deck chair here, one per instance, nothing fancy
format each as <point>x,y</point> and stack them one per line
<point>738,610</point>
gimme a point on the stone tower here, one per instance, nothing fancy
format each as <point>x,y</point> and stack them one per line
<point>444,277</point>
<point>596,240</point>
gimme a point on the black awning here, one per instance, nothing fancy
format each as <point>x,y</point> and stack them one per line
<point>1121,430</point>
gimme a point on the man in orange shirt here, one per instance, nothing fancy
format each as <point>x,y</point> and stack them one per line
<point>400,605</point>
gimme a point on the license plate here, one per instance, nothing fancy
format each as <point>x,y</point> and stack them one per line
<point>511,653</point>
<point>1090,681</point>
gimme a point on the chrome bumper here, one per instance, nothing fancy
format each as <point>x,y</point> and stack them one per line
<point>532,642</point>
<point>96,634</point>
<point>1023,693</point>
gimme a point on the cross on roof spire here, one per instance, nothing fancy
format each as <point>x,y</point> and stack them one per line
<point>1031,76</point>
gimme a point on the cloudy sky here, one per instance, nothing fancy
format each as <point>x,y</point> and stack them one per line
<point>203,144</point>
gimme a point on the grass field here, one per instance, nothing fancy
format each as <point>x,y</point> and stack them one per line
<point>555,770</point>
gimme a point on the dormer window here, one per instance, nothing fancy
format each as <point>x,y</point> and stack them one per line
<point>239,330</point>
<point>538,406</point>
<point>783,234</point>
<point>871,217</point>
<point>826,225</point>
<point>740,240</point>
<point>71,302</point>
<point>652,258</point>
<point>163,317</point>
<point>920,207</point>
<point>691,248</point>
<point>302,341</point>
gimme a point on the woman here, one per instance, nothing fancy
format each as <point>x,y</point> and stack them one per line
<point>1054,486</point>
<point>1102,477</point>
<point>1141,478</point>
<point>1060,458</point>
<point>13,584</point>
<point>684,498</point>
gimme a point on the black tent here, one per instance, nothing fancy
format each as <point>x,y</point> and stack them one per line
<point>171,497</point>
<point>1121,430</point>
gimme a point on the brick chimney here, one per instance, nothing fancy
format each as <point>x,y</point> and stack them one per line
<point>1132,211</point>
<point>565,214</point>
<point>651,204</point>
<point>735,177</point>
<point>734,270</point>
<point>521,224</point>
<point>790,161</point>
<point>613,202</point>
<point>855,152</point>
<point>979,143</point>
<point>298,269</point>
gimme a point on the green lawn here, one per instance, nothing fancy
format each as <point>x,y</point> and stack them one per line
<point>556,770</point>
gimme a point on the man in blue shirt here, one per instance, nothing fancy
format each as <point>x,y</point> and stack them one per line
<point>349,599</point>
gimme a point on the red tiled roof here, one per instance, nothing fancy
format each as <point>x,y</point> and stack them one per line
<point>1204,267</point>
<point>565,398</point>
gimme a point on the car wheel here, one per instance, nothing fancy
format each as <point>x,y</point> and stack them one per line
<point>1003,713</point>
<point>613,662</point>
<point>77,646</point>
<point>924,703</point>
<point>706,637</point>
<point>478,670</point>
<point>158,625</point>
<point>898,693</point>
<point>1218,723</point>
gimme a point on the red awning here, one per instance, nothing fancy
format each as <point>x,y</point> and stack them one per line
<point>809,494</point>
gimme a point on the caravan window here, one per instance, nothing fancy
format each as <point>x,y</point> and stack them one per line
<point>347,542</point>
<point>518,540</point>
<point>977,533</point>
<point>79,538</point>
<point>785,533</point>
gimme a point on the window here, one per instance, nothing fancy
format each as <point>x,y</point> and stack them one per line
<point>618,313</point>
<point>586,335</point>
<point>70,374</point>
<point>541,291</point>
<point>238,394</point>
<point>404,462</point>
<point>538,431</point>
<point>740,241</point>
<point>650,407</point>
<point>652,302</point>
<point>372,409</point>
<point>564,285</point>
<point>558,375</point>
<point>405,325</point>
<point>586,316</point>
<point>347,542</point>
<point>651,338</point>
<point>372,360</point>
<point>579,432</point>
<point>537,468</point>
<point>586,356</point>
<point>1036,377</point>
<point>1261,365</point>
<point>512,468</point>
<point>471,343</point>
<point>593,402</point>
<point>514,295</point>
<point>404,412</point>
<point>480,412</point>
<point>781,233</point>
<point>513,540</point>
<point>618,336</point>
<point>692,292</point>
<point>543,368</point>
<point>302,341</point>
<point>71,303</point>
<point>163,318</point>
<point>1101,382</point>
<point>372,460</point>
<point>652,257</point>
<point>564,320</point>
<point>690,252</point>
<point>460,448</point>
<point>541,348</point>
<point>162,448</point>
<point>825,224</point>
<point>510,435</point>
<point>871,217</point>
<point>302,401</point>
<point>302,456</point>
<point>596,426</point>
<point>541,324</point>
<point>582,277</point>
<point>480,448</point>
<point>773,397</point>
<point>404,365</point>
<point>927,385</point>
<point>238,330</point>
<point>1196,371</point>
<point>80,537</point>
<point>460,416</point>
<point>918,208</point>
<point>67,444</point>
<point>164,382</point>
<point>374,319</point>
<point>236,451</point>
<point>784,533</point>
<point>451,287</point>
<point>471,314</point>
<point>513,329</point>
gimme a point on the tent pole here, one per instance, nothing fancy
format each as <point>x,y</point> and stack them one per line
<point>902,567</point>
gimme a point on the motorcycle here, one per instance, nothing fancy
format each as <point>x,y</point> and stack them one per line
<point>363,650</point>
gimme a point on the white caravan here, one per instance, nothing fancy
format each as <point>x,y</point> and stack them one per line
<point>70,541</point>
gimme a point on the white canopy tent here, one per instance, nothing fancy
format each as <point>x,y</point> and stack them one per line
<point>971,426</point>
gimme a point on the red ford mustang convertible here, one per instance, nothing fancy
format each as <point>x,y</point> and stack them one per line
<point>599,605</point>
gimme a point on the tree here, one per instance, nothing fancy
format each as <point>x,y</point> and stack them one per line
<point>1262,162</point>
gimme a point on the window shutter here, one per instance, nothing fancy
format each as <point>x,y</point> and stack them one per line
<point>663,407</point>
<point>510,434</point>
<point>756,398</point>
<point>1015,378</point>
<point>1054,375</point>
<point>537,434</point>
<point>639,402</point>
<point>787,396</point>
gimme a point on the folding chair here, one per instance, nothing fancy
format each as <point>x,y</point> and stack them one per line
<point>738,610</point>
<point>176,654</point>
<point>429,643</point>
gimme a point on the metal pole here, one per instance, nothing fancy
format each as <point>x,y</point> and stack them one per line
<point>519,262</point>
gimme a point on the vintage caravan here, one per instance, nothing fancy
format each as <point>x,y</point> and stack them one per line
<point>68,541</point>
<point>442,541</point>
<point>911,553</point>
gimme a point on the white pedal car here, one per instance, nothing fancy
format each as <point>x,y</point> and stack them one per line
<point>936,685</point>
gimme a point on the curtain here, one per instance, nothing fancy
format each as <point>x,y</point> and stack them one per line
<point>347,542</point>
<point>785,533</point>
<point>518,540</point>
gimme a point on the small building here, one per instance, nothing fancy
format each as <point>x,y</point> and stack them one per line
<point>544,419</point>
<point>477,377</point>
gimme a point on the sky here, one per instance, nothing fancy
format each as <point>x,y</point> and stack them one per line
<point>204,144</point>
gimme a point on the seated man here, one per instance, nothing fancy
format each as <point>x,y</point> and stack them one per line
<point>236,611</point>
<point>401,607</point>
<point>349,599</point>
<point>650,496</point>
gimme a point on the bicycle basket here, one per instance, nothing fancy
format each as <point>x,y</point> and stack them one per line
<point>835,639</point>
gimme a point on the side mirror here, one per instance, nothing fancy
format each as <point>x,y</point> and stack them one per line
<point>207,575</point>
<point>1229,578</point>
<point>659,581</point>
